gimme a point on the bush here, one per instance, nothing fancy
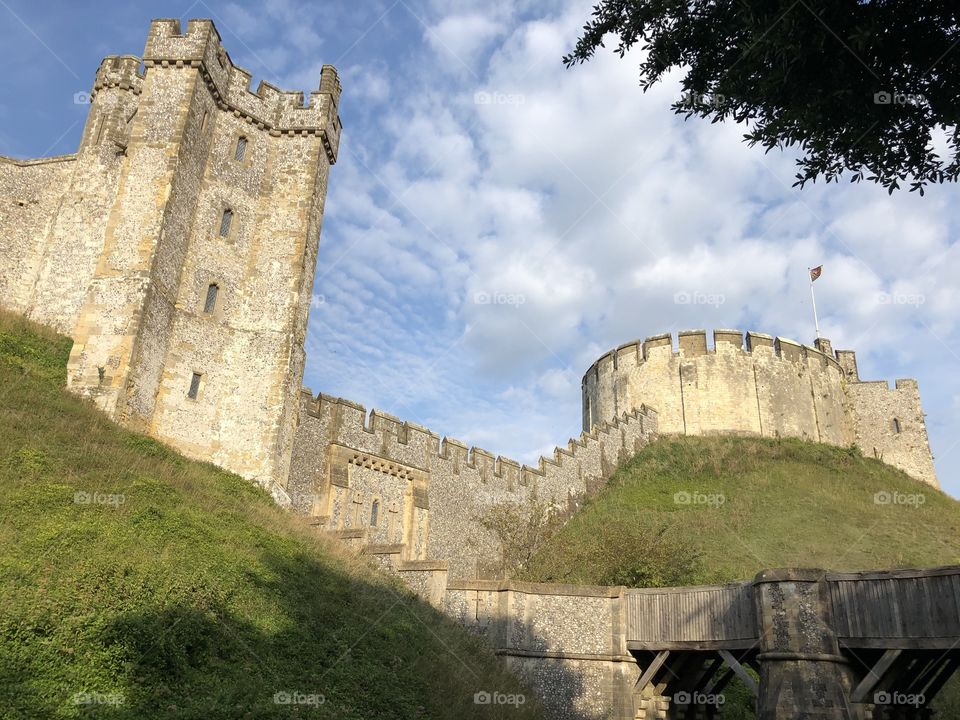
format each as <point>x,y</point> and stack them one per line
<point>521,529</point>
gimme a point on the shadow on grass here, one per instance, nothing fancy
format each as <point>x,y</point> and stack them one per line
<point>334,646</point>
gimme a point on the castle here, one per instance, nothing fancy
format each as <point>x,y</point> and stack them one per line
<point>772,387</point>
<point>177,248</point>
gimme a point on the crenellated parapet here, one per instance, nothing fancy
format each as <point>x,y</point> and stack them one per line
<point>693,344</point>
<point>267,107</point>
<point>119,71</point>
<point>443,520</point>
<point>758,384</point>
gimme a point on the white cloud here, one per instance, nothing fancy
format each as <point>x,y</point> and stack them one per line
<point>579,208</point>
<point>459,39</point>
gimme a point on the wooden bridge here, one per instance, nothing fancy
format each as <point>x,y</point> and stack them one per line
<point>823,645</point>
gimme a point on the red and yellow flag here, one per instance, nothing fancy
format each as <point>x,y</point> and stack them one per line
<point>815,272</point>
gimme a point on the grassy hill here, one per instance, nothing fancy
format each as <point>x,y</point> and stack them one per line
<point>703,510</point>
<point>711,510</point>
<point>137,584</point>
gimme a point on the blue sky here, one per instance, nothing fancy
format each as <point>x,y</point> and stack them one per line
<point>496,222</point>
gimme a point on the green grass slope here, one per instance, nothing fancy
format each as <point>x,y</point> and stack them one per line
<point>137,584</point>
<point>711,509</point>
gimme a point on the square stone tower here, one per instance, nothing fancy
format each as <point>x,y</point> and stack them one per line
<point>192,326</point>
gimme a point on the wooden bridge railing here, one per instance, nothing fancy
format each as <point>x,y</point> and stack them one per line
<point>710,615</point>
<point>896,608</point>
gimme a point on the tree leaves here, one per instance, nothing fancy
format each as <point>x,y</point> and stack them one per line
<point>861,87</point>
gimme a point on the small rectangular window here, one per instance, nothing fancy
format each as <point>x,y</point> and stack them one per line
<point>211,302</point>
<point>225,223</point>
<point>241,149</point>
<point>194,386</point>
<point>203,123</point>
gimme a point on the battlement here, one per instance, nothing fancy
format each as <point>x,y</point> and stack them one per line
<point>341,449</point>
<point>29,162</point>
<point>693,343</point>
<point>279,112</point>
<point>419,446</point>
<point>758,384</point>
<point>119,71</point>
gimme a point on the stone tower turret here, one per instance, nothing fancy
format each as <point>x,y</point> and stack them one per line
<point>178,246</point>
<point>766,386</point>
<point>192,326</point>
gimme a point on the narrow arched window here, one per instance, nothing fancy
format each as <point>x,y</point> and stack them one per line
<point>374,513</point>
<point>225,221</point>
<point>896,426</point>
<point>210,304</point>
<point>241,149</point>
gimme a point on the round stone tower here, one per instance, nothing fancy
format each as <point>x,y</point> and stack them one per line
<point>766,386</point>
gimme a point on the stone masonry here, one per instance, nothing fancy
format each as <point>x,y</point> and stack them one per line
<point>773,387</point>
<point>178,246</point>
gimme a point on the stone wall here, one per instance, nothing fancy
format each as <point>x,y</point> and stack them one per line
<point>53,211</point>
<point>890,426</point>
<point>29,194</point>
<point>413,502</point>
<point>343,462</point>
<point>773,387</point>
<point>567,642</point>
<point>119,244</point>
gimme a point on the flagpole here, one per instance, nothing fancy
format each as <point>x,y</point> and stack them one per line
<point>813,299</point>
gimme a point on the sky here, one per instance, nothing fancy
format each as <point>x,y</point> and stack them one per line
<point>496,221</point>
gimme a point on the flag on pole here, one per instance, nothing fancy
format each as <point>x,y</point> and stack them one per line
<point>815,272</point>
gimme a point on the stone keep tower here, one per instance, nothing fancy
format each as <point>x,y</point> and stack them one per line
<point>186,228</point>
<point>772,387</point>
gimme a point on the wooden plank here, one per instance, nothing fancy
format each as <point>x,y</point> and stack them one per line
<point>880,669</point>
<point>706,674</point>
<point>899,643</point>
<point>740,671</point>
<point>926,671</point>
<point>651,670</point>
<point>946,672</point>
<point>703,645</point>
<point>720,683</point>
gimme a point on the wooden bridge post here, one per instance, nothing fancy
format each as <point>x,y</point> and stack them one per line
<point>802,673</point>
